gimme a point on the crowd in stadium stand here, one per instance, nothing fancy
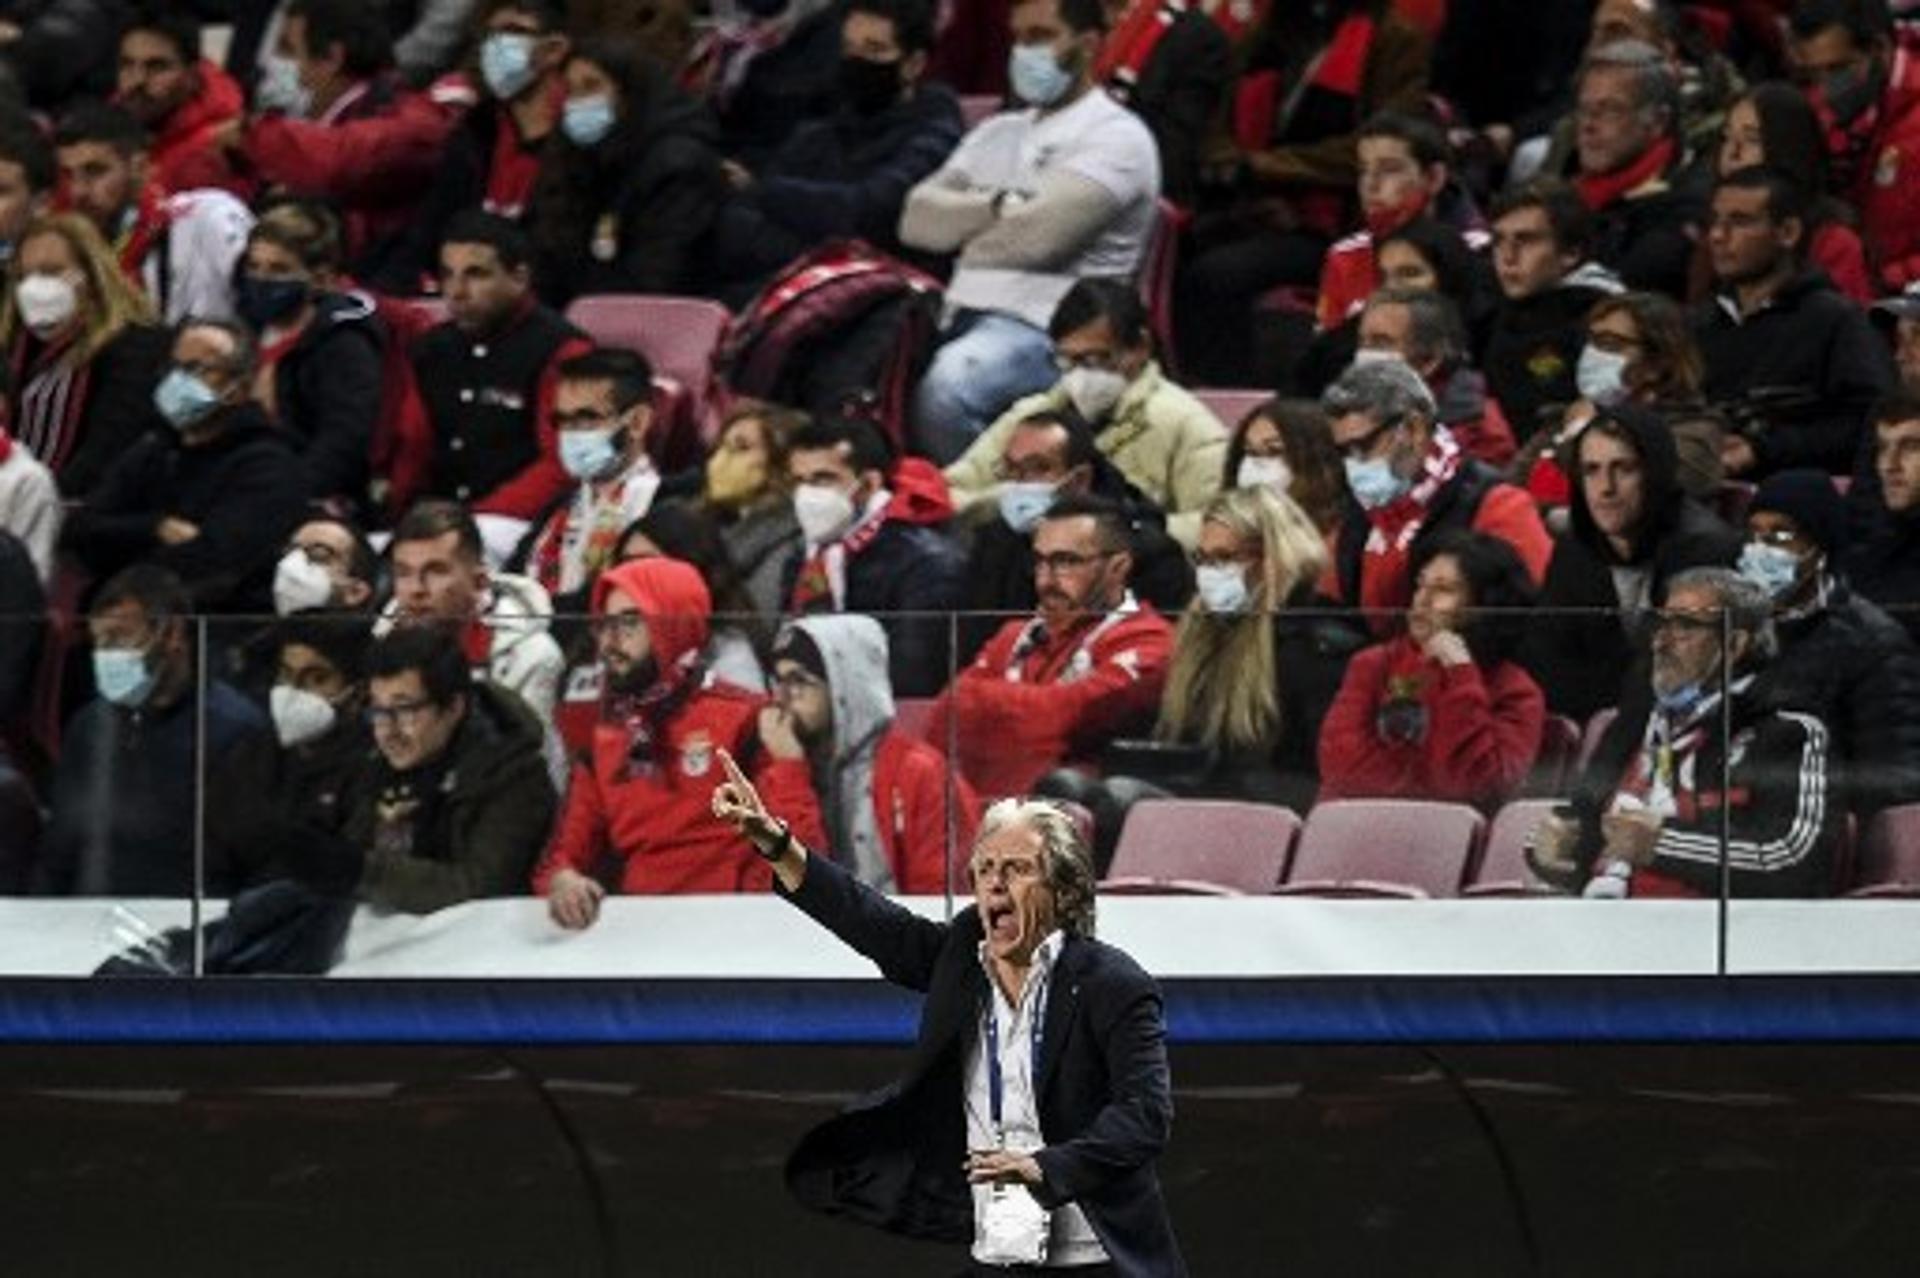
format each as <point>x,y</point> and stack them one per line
<point>433,433</point>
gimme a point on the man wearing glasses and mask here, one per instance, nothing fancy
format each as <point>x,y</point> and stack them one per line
<point>1052,689</point>
<point>1654,830</point>
<point>1053,1041</point>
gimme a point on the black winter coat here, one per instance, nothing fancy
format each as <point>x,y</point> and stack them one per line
<point>244,489</point>
<point>907,568</point>
<point>1579,661</point>
<point>327,394</point>
<point>1808,340</point>
<point>119,407</point>
<point>1534,348</point>
<point>1853,667</point>
<point>1885,567</point>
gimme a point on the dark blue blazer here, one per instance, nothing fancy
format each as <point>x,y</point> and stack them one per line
<point>894,1159</point>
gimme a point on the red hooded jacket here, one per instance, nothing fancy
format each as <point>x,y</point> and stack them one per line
<point>1029,704</point>
<point>910,797</point>
<point>656,820</point>
<point>182,155</point>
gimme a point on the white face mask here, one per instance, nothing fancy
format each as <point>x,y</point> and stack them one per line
<point>299,716</point>
<point>1222,588</point>
<point>1264,472</point>
<point>300,585</point>
<point>46,302</point>
<point>1094,392</point>
<point>1601,376</point>
<point>822,511</point>
<point>1367,355</point>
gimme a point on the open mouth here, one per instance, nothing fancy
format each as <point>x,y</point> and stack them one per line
<point>1003,925</point>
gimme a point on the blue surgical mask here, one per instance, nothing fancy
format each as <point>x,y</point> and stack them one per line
<point>1682,701</point>
<point>1037,77</point>
<point>184,399</point>
<point>279,88</point>
<point>506,63</point>
<point>1373,482</point>
<point>588,454</point>
<point>1222,588</point>
<point>1601,376</point>
<point>1022,503</point>
<point>587,121</point>
<point>1774,569</point>
<point>123,676</point>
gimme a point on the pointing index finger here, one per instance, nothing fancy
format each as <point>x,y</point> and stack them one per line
<point>733,769</point>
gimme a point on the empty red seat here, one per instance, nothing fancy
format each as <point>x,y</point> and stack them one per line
<point>1231,406</point>
<point>1385,847</point>
<point>1888,856</point>
<point>1159,265</point>
<point>1206,846</point>
<point>1503,866</point>
<point>1561,742</point>
<point>679,336</point>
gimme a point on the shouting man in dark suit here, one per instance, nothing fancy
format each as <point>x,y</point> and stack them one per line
<point>1038,1093</point>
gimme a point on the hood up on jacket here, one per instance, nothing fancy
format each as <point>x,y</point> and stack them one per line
<point>853,649</point>
<point>671,596</point>
<point>1661,495</point>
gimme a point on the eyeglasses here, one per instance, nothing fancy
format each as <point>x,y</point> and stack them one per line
<point>1061,562</point>
<point>1037,471</point>
<point>1685,623</point>
<point>1360,448</point>
<point>1782,537</point>
<point>400,712</point>
<point>1013,871</point>
<point>623,625</point>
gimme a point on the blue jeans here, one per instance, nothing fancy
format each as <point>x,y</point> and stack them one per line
<point>986,361</point>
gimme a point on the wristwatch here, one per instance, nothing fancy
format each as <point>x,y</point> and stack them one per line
<point>780,845</point>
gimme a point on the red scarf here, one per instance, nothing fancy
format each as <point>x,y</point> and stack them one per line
<point>1383,577</point>
<point>51,399</point>
<point>150,221</point>
<point>6,445</point>
<point>1384,222</point>
<point>1598,191</point>
<point>822,580</point>
<point>515,165</point>
<point>1130,46</point>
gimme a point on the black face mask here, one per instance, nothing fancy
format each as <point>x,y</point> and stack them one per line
<point>764,8</point>
<point>869,87</point>
<point>263,302</point>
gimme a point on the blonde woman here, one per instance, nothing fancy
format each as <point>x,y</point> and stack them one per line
<point>1258,657</point>
<point>82,350</point>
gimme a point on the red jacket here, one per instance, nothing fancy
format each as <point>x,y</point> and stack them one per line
<point>182,155</point>
<point>1028,705</point>
<point>1886,188</point>
<point>656,817</point>
<point>374,153</point>
<point>910,799</point>
<point>1348,277</point>
<point>1457,733</point>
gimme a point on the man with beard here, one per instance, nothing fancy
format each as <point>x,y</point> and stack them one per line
<point>879,798</point>
<point>181,98</point>
<point>640,797</point>
<point>1088,666</point>
<point>1655,830</point>
<point>1864,84</point>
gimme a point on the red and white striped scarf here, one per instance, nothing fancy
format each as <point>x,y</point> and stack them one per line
<point>52,396</point>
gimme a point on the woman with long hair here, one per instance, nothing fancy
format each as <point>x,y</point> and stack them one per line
<point>82,350</point>
<point>630,184</point>
<point>1286,445</point>
<point>1442,711</point>
<point>744,485</point>
<point>1258,656</point>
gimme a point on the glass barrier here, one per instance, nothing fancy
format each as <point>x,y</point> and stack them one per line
<point>1307,793</point>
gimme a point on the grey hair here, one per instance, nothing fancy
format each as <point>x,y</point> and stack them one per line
<point>1434,330</point>
<point>1655,86</point>
<point>1383,391</point>
<point>1748,607</point>
<point>1063,855</point>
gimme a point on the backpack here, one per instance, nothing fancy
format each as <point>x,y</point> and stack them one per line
<point>841,321</point>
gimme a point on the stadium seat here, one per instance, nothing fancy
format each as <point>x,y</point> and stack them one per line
<point>1202,847</point>
<point>975,107</point>
<point>1159,266</point>
<point>1230,406</point>
<point>1385,848</point>
<point>1502,870</point>
<point>679,336</point>
<point>1595,730</point>
<point>1889,854</point>
<point>1561,743</point>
